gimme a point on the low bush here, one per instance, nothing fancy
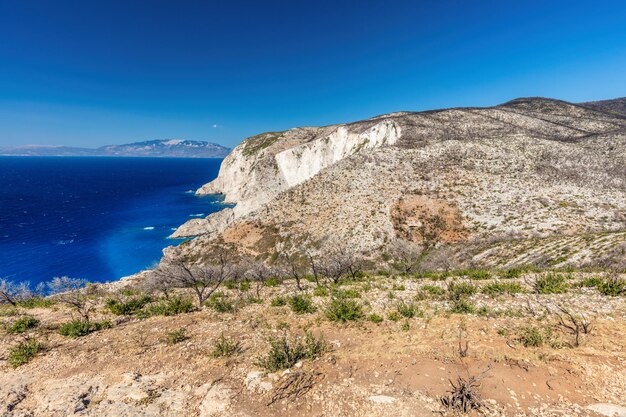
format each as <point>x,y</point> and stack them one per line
<point>171,307</point>
<point>272,282</point>
<point>531,336</point>
<point>225,347</point>
<point>495,288</point>
<point>128,307</point>
<point>285,352</point>
<point>406,310</point>
<point>22,325</point>
<point>24,352</point>
<point>320,291</point>
<point>375,318</point>
<point>394,316</point>
<point>343,310</point>
<point>221,304</point>
<point>551,283</point>
<point>79,328</point>
<point>301,304</point>
<point>613,286</point>
<point>8,311</point>
<point>462,306</point>
<point>176,336</point>
<point>278,301</point>
<point>347,293</point>
<point>459,290</point>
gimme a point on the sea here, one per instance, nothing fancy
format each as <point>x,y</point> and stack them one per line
<point>98,219</point>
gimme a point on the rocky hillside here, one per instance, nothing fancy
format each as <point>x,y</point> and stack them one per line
<point>533,180</point>
<point>152,148</point>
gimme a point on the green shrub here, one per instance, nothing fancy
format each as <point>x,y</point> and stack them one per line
<point>406,326</point>
<point>36,302</point>
<point>245,286</point>
<point>78,328</point>
<point>22,325</point>
<point>272,282</point>
<point>613,287</point>
<point>301,304</point>
<point>343,310</point>
<point>171,307</point>
<point>254,300</point>
<point>406,310</point>
<point>512,273</point>
<point>394,316</point>
<point>590,282</point>
<point>458,290</point>
<point>430,292</point>
<point>285,353</point>
<point>230,284</point>
<point>24,352</point>
<point>375,318</point>
<point>176,336</point>
<point>551,283</point>
<point>347,293</point>
<point>320,291</point>
<point>462,306</point>
<point>495,288</point>
<point>225,347</point>
<point>398,287</point>
<point>128,307</point>
<point>278,301</point>
<point>221,304</point>
<point>532,336</point>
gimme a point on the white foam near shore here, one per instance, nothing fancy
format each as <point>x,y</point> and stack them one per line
<point>196,215</point>
<point>148,228</point>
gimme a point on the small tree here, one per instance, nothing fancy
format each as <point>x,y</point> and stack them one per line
<point>339,261</point>
<point>204,280</point>
<point>406,255</point>
<point>76,293</point>
<point>259,273</point>
<point>294,266</point>
<point>12,293</point>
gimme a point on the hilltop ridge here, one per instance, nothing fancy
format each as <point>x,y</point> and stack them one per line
<point>531,168</point>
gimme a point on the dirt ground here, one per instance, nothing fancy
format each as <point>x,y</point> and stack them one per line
<point>399,368</point>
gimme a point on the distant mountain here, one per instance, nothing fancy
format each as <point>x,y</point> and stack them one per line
<point>615,106</point>
<point>153,148</point>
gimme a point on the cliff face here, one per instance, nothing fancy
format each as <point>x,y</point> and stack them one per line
<point>528,169</point>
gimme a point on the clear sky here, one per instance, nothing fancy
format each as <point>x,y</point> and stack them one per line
<point>88,73</point>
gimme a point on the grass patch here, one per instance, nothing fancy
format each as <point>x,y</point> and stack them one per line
<point>272,282</point>
<point>320,291</point>
<point>475,274</point>
<point>24,352</point>
<point>285,352</point>
<point>458,290</point>
<point>278,301</point>
<point>406,310</point>
<point>220,303</point>
<point>347,293</point>
<point>79,328</point>
<point>462,306</point>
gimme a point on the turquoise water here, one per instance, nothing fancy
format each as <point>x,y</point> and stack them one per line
<point>95,218</point>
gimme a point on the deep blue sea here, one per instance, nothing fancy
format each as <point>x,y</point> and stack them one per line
<point>95,218</point>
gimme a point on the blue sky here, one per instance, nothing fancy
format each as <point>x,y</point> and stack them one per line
<point>86,73</point>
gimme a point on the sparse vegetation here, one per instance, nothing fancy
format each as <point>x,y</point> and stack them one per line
<point>500,287</point>
<point>612,286</point>
<point>127,307</point>
<point>278,301</point>
<point>225,347</point>
<point>171,307</point>
<point>286,352</point>
<point>375,318</point>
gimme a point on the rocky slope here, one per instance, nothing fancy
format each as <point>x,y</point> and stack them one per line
<point>152,148</point>
<point>530,170</point>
